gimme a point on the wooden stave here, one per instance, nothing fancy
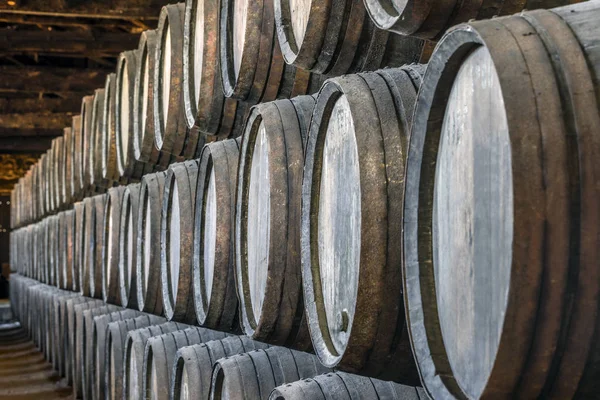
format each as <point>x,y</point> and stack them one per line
<point>434,18</point>
<point>131,198</point>
<point>61,349</point>
<point>136,342</point>
<point>160,352</point>
<point>70,318</point>
<point>115,341</point>
<point>88,256</point>
<point>260,371</point>
<point>100,326</point>
<point>67,175</point>
<point>96,280</point>
<point>179,308</point>
<point>198,360</point>
<point>204,115</point>
<point>152,185</point>
<point>67,251</point>
<point>107,150</point>
<point>289,123</point>
<point>143,131</point>
<point>87,329</point>
<point>56,168</point>
<point>171,137</point>
<point>222,312</point>
<point>78,310</point>
<point>111,292</point>
<point>86,130</point>
<point>77,160</point>
<point>388,343</point>
<point>97,184</point>
<point>345,387</point>
<point>79,243</point>
<point>558,40</point>
<point>127,166</point>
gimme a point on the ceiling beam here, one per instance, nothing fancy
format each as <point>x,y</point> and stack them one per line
<point>21,106</point>
<point>22,144</point>
<point>50,79</point>
<point>40,122</point>
<point>89,44</point>
<point>99,9</point>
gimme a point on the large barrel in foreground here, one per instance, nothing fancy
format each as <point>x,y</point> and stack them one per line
<point>269,189</point>
<point>352,200</point>
<point>501,218</point>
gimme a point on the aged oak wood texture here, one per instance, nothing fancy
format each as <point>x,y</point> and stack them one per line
<point>128,243</point>
<point>215,297</point>
<point>500,216</point>
<point>133,356</point>
<point>351,217</point>
<point>192,365</point>
<point>337,37</point>
<point>176,241</point>
<point>159,356</point>
<point>148,270</point>
<point>116,334</point>
<point>255,374</point>
<point>429,19</point>
<point>111,292</point>
<point>344,386</point>
<point>267,222</point>
<point>106,142</point>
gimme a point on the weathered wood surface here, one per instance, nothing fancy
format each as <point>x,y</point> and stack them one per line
<point>215,298</point>
<point>127,245</point>
<point>111,292</point>
<point>351,214</point>
<point>514,134</point>
<point>107,146</point>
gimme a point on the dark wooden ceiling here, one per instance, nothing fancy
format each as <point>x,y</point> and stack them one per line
<point>52,53</point>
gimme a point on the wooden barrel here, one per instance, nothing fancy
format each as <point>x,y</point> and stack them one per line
<point>116,333</point>
<point>88,250</point>
<point>207,111</point>
<point>253,375</point>
<point>106,143</point>
<point>98,245</point>
<point>431,19</point>
<point>352,199</point>
<point>252,66</point>
<point>344,386</point>
<point>69,321</point>
<point>97,184</point>
<point>67,174</point>
<point>176,241</point>
<point>192,366</point>
<point>127,165</point>
<point>89,350</point>
<point>133,356</point>
<point>148,270</point>
<point>128,239</point>
<point>169,119</point>
<point>80,344</point>
<point>79,244</point>
<point>111,291</point>
<point>143,106</point>
<point>59,325</point>
<point>87,136</point>
<point>99,336</point>
<point>269,190</point>
<point>338,37</point>
<point>500,218</point>
<point>159,356</point>
<point>77,185</point>
<point>215,298</point>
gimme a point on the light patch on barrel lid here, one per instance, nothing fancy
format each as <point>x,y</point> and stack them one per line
<point>166,76</point>
<point>240,15</point>
<point>124,111</point>
<point>174,240</point>
<point>210,235</point>
<point>300,13</point>
<point>339,223</point>
<point>473,221</point>
<point>198,48</point>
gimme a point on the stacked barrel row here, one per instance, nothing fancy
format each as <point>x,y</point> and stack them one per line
<point>108,352</point>
<point>439,224</point>
<point>190,81</point>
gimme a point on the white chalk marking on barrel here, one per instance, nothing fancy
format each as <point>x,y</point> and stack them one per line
<point>472,222</point>
<point>339,223</point>
<point>259,221</point>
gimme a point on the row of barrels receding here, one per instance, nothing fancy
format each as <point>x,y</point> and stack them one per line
<point>190,81</point>
<point>108,352</point>
<point>465,231</point>
<point>202,242</point>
